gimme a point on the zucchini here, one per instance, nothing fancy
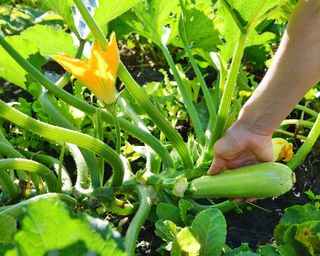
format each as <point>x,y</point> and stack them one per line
<point>254,181</point>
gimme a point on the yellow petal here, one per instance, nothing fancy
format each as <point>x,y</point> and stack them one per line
<point>74,66</point>
<point>282,150</point>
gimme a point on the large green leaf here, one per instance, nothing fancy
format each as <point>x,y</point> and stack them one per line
<point>10,70</point>
<point>251,11</point>
<point>210,227</point>
<point>196,27</point>
<point>49,227</point>
<point>8,227</point>
<point>249,14</point>
<point>63,8</point>
<point>50,41</point>
<point>155,19</point>
<point>110,9</point>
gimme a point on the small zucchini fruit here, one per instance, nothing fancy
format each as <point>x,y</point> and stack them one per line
<point>254,181</point>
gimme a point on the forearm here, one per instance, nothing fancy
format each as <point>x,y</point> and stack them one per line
<point>294,70</point>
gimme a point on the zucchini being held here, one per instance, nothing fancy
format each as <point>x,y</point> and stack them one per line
<point>254,181</point>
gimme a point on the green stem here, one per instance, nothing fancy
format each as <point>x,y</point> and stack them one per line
<point>209,101</point>
<point>300,137</point>
<point>68,136</point>
<point>85,160</point>
<point>19,208</point>
<point>307,110</point>
<point>95,29</point>
<point>306,146</point>
<point>197,125</point>
<point>85,107</point>
<point>59,185</point>
<point>138,220</point>
<point>228,92</point>
<point>7,185</point>
<point>298,122</point>
<point>138,93</point>
<point>53,163</point>
<point>100,136</point>
<point>233,15</point>
<point>33,167</point>
<point>224,207</point>
<point>156,116</point>
<point>113,112</point>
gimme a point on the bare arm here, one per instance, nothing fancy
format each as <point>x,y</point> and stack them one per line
<point>294,70</point>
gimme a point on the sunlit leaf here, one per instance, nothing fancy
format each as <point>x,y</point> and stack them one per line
<point>9,68</point>
<point>49,227</point>
<point>185,243</point>
<point>63,8</point>
<point>50,41</point>
<point>155,19</point>
<point>196,27</point>
<point>108,10</point>
<point>8,227</point>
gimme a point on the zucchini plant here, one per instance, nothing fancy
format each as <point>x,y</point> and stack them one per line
<point>172,176</point>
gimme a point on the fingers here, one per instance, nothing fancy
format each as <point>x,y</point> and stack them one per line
<point>249,200</point>
<point>216,166</point>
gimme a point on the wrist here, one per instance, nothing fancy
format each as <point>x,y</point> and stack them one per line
<point>253,123</point>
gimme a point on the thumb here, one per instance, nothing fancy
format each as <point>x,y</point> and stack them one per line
<point>216,166</point>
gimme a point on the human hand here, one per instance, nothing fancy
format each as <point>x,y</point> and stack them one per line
<point>239,147</point>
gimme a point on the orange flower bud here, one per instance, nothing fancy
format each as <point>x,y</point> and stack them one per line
<point>282,150</point>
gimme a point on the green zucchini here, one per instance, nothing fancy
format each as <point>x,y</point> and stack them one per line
<point>254,181</point>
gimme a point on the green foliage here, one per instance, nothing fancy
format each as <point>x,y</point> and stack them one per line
<point>61,7</point>
<point>8,227</point>
<point>10,69</point>
<point>48,228</point>
<point>209,226</point>
<point>210,30</point>
<point>108,10</point>
<point>56,40</point>
<point>298,232</point>
<point>196,27</point>
<point>155,20</point>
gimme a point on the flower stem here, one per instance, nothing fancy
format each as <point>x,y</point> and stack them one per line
<point>112,111</point>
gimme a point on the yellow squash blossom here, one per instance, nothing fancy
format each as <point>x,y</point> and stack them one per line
<point>282,150</point>
<point>99,73</point>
